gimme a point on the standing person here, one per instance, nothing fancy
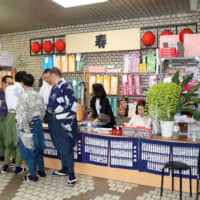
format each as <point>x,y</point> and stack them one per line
<point>62,122</point>
<point>11,139</point>
<point>101,109</point>
<point>6,81</point>
<point>45,89</point>
<point>29,114</point>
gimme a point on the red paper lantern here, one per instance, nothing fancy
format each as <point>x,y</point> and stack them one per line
<point>35,47</point>
<point>148,38</point>
<point>47,46</point>
<point>183,32</point>
<point>166,32</point>
<point>60,45</point>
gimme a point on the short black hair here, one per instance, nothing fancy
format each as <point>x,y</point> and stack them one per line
<point>56,71</point>
<point>98,90</point>
<point>40,82</point>
<point>5,77</point>
<point>19,75</point>
<point>46,71</point>
<point>140,103</point>
<point>28,80</point>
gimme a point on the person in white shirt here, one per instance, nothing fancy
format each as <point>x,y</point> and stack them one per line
<point>139,119</point>
<point>12,94</point>
<point>45,89</point>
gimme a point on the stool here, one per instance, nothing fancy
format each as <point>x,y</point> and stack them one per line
<point>173,165</point>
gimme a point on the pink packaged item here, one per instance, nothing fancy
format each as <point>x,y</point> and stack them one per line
<point>124,84</point>
<point>101,69</point>
<point>168,38</point>
<point>137,83</point>
<point>191,45</point>
<point>130,85</point>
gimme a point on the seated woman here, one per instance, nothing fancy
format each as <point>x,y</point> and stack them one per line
<point>139,120</point>
<point>101,109</point>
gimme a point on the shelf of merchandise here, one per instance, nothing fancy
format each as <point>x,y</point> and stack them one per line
<point>179,61</point>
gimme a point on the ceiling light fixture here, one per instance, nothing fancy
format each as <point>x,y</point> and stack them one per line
<point>74,3</point>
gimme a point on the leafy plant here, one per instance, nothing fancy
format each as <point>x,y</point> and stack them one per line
<point>188,97</point>
<point>163,100</point>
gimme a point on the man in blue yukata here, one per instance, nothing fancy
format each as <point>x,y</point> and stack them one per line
<point>62,109</point>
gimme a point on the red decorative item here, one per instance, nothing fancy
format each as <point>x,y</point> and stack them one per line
<point>166,32</point>
<point>35,47</point>
<point>47,46</point>
<point>148,38</point>
<point>60,45</point>
<point>183,32</point>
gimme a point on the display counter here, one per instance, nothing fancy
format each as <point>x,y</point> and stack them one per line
<point>128,159</point>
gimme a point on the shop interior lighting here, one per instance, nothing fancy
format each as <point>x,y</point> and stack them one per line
<point>75,3</point>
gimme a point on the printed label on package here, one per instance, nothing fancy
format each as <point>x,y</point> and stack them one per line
<point>95,149</point>
<point>124,153</point>
<point>51,152</point>
<point>188,154</point>
<point>153,156</point>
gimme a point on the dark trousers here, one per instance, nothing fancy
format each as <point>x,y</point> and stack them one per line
<point>34,158</point>
<point>63,142</point>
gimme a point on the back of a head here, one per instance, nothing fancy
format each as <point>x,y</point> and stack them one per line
<point>19,75</point>
<point>56,71</point>
<point>99,90</point>
<point>28,80</point>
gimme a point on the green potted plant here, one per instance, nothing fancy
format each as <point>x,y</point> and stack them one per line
<point>187,97</point>
<point>162,103</point>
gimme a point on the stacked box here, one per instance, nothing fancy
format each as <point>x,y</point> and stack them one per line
<point>151,63</point>
<point>72,63</point>
<point>115,103</point>
<point>106,83</point>
<point>125,85</point>
<point>130,85</point>
<point>137,83</point>
<point>115,85</point>
<point>79,62</point>
<point>48,62</point>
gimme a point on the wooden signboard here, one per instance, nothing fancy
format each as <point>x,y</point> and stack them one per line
<point>117,40</point>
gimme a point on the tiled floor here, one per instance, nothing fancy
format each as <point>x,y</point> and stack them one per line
<point>87,188</point>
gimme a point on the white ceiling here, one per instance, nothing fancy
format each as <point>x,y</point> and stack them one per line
<point>22,15</point>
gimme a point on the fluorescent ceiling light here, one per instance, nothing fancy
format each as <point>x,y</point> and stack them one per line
<point>74,3</point>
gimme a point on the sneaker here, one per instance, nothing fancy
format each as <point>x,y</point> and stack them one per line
<point>4,169</point>
<point>31,178</point>
<point>60,173</point>
<point>72,180</point>
<point>20,170</point>
<point>41,173</point>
